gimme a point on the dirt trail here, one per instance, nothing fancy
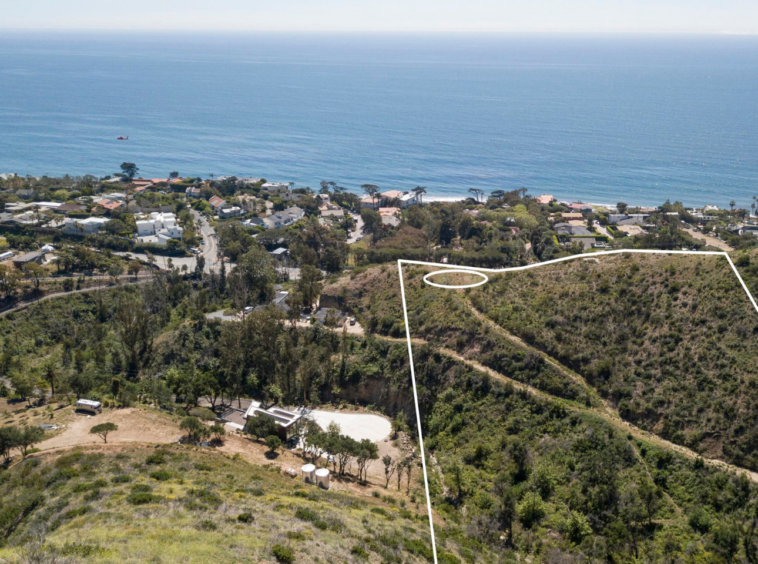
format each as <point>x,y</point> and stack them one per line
<point>134,426</point>
<point>548,359</point>
<point>613,420</point>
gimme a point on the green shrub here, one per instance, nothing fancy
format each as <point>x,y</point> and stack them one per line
<point>282,554</point>
<point>359,552</point>
<point>206,497</point>
<point>245,517</point>
<point>306,514</point>
<point>380,511</point>
<point>121,479</point>
<point>76,512</point>
<point>295,535</point>
<point>141,488</point>
<point>419,548</point>
<point>155,458</point>
<point>207,525</point>
<point>141,498</point>
<point>160,475</point>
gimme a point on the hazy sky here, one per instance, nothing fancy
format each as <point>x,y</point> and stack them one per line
<point>687,16</point>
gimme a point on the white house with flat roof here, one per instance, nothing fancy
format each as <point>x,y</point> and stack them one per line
<point>158,228</point>
<point>87,226</point>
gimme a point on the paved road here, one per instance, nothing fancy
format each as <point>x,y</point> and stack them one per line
<point>358,232</point>
<point>210,249</point>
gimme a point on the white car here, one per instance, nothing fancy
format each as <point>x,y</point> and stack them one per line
<point>248,309</point>
<point>195,251</point>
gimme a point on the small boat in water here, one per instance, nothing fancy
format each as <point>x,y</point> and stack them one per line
<point>123,138</point>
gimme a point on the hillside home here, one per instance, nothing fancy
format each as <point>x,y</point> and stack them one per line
<point>88,226</point>
<point>230,211</point>
<point>288,423</point>
<point>284,218</point>
<point>217,203</point>
<point>159,228</point>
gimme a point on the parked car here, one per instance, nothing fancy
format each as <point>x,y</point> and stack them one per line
<point>195,251</point>
<point>352,321</point>
<point>248,309</point>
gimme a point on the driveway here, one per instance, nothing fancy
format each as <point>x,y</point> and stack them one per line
<point>358,426</point>
<point>358,232</point>
<point>709,240</point>
<point>220,315</point>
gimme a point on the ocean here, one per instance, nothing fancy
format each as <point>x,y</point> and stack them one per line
<point>598,119</point>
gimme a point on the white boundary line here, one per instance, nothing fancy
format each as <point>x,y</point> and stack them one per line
<point>485,279</point>
<point>458,267</point>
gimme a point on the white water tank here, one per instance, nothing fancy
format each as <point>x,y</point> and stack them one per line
<point>322,478</point>
<point>309,471</point>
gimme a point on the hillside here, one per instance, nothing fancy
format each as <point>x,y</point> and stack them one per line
<point>177,503</point>
<point>670,341</point>
<point>528,478</point>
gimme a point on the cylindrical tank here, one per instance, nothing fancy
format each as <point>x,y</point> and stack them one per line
<point>322,478</point>
<point>308,471</point>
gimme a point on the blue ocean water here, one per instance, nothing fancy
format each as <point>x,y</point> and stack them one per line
<point>635,119</point>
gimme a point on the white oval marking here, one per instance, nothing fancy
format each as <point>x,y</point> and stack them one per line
<point>485,279</point>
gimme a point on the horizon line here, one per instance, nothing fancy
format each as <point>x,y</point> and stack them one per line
<point>302,31</point>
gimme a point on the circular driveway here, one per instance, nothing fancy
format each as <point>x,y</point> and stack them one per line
<point>357,426</point>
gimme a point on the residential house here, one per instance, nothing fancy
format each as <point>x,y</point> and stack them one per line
<point>159,228</point>
<point>248,202</point>
<point>284,218</point>
<point>572,216</point>
<point>408,199</point>
<point>321,315</point>
<point>276,187</point>
<point>628,218</point>
<point>288,423</point>
<point>192,191</point>
<point>110,205</point>
<point>25,194</point>
<point>230,211</point>
<point>332,211</point>
<point>568,229</point>
<point>390,216</point>
<point>68,208</point>
<point>217,203</point>
<point>88,226</point>
<point>581,207</point>
<point>390,196</point>
<point>279,302</point>
<point>369,202</point>
<point>118,196</point>
<point>27,258</point>
<point>545,199</point>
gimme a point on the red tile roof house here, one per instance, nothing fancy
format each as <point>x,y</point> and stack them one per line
<point>217,203</point>
<point>110,205</point>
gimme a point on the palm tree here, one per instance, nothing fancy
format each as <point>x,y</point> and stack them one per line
<point>731,206</point>
<point>419,190</point>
